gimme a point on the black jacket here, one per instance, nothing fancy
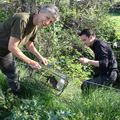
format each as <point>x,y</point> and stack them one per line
<point>105,56</point>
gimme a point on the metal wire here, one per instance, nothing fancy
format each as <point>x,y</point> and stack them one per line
<point>101,85</point>
<point>31,73</point>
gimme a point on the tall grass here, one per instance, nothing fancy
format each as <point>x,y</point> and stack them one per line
<point>42,104</point>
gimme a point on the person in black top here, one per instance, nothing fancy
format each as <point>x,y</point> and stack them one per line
<point>105,64</point>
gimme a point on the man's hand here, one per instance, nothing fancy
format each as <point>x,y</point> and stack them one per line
<point>84,60</point>
<point>35,65</point>
<point>44,61</point>
<point>30,46</point>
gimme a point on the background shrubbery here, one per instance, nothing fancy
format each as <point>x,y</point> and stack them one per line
<point>61,45</point>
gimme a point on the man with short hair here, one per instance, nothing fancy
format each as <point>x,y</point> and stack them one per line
<point>19,30</point>
<point>105,64</point>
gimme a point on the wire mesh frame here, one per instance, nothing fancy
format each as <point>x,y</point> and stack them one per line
<point>30,74</point>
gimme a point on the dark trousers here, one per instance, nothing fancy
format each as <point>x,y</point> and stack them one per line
<point>99,81</point>
<point>8,67</point>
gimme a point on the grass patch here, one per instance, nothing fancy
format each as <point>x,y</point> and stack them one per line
<point>42,104</point>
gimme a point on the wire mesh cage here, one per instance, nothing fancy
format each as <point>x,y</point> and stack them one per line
<point>54,79</point>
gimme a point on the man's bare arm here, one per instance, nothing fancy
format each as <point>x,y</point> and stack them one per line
<point>13,47</point>
<point>84,60</point>
<point>94,63</point>
<point>30,46</point>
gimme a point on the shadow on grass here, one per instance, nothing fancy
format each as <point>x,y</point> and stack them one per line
<point>30,88</point>
<point>114,13</point>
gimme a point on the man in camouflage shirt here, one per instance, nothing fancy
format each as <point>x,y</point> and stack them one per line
<point>19,30</point>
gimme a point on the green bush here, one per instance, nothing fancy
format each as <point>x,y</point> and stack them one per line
<point>3,15</point>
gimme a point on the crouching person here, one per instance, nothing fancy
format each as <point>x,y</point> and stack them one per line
<point>105,64</point>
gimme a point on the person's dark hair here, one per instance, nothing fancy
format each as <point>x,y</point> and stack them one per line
<point>87,32</point>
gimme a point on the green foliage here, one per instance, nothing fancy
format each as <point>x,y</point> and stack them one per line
<point>28,109</point>
<point>3,15</point>
<point>99,105</point>
<point>106,30</point>
<point>36,100</point>
<point>115,19</point>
